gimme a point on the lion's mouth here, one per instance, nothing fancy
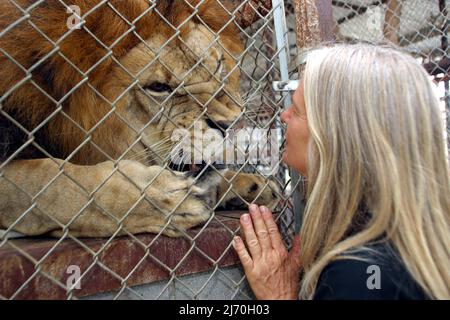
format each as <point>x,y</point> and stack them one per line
<point>188,167</point>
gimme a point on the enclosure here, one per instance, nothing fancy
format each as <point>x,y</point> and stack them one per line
<point>94,93</point>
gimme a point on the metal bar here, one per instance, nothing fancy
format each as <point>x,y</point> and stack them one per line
<point>285,86</point>
<point>283,56</point>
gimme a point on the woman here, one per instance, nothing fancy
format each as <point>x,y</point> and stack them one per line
<point>366,130</point>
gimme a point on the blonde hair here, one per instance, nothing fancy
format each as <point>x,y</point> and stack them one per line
<point>377,146</point>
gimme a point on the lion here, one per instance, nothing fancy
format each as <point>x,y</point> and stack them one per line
<point>87,114</point>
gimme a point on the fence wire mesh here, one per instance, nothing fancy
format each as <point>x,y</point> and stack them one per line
<point>419,27</point>
<point>117,122</point>
<point>117,119</point>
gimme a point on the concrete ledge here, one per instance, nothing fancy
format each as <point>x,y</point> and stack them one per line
<point>122,258</point>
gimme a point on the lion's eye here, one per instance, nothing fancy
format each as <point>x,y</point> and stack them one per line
<point>158,87</point>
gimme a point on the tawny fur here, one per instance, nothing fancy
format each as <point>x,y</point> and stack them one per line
<point>91,107</point>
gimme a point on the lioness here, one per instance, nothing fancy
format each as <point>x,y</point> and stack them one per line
<point>87,113</point>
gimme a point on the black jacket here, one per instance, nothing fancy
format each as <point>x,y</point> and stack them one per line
<point>383,276</point>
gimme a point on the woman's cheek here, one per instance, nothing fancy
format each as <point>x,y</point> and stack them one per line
<point>297,148</point>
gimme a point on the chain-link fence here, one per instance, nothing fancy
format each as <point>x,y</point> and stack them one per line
<point>133,135</point>
<point>419,27</point>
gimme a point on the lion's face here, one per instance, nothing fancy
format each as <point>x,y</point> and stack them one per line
<point>93,104</point>
<point>163,85</point>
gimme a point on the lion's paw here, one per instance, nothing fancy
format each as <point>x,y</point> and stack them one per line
<point>184,201</point>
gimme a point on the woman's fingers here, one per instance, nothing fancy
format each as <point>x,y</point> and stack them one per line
<point>261,232</point>
<point>272,229</point>
<point>260,228</point>
<point>245,258</point>
<point>250,236</point>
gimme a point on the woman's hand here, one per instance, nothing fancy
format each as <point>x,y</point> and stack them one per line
<point>272,271</point>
